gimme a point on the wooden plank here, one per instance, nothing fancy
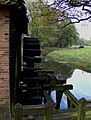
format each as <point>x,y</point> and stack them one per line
<point>57,87</point>
<point>59,94</point>
<point>31,52</point>
<point>68,114</point>
<point>31,69</point>
<point>30,40</point>
<point>18,111</point>
<point>31,45</point>
<point>34,110</point>
<point>49,87</point>
<point>72,98</point>
<point>30,59</point>
<point>21,111</point>
<point>49,98</point>
<point>45,71</point>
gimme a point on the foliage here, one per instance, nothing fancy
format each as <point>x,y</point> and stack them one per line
<point>40,15</point>
<point>77,57</point>
<point>89,42</point>
<point>68,36</point>
<point>42,23</point>
<point>82,41</point>
<point>44,26</point>
<point>49,35</point>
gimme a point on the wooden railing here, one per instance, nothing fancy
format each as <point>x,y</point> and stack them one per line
<point>45,110</point>
<point>79,104</point>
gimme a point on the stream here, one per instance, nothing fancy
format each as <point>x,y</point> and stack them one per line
<point>81,80</point>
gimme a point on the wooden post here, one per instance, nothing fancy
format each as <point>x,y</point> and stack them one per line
<point>49,111</point>
<point>81,109</point>
<point>68,102</point>
<point>18,111</point>
<point>59,94</point>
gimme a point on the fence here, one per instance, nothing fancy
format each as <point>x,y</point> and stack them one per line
<point>79,104</point>
<point>46,110</point>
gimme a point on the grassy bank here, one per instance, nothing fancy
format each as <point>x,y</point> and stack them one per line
<point>80,58</point>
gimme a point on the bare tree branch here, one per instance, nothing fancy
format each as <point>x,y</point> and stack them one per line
<point>74,11</point>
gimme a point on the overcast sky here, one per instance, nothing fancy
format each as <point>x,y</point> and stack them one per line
<point>84,29</point>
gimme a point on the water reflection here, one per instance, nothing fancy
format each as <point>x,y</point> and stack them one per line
<point>81,82</point>
<point>60,70</point>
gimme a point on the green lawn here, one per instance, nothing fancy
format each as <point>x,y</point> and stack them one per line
<point>80,58</point>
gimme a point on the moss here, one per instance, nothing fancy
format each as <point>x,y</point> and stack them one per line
<point>4,1</point>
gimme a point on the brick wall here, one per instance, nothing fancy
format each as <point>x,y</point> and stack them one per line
<point>4,57</point>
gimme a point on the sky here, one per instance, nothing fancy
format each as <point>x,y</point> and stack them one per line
<point>84,29</point>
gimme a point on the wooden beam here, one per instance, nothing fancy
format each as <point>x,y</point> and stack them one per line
<point>57,87</point>
<point>72,98</point>
<point>46,110</point>
<point>48,98</point>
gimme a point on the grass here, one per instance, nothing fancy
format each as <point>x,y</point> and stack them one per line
<point>80,58</point>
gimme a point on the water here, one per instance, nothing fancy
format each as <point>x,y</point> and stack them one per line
<point>80,80</point>
<point>60,70</point>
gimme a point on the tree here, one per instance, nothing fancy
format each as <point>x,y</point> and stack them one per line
<point>73,11</point>
<point>47,22</point>
<point>48,35</point>
<point>42,23</point>
<point>82,41</point>
<point>68,36</point>
<point>40,15</point>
